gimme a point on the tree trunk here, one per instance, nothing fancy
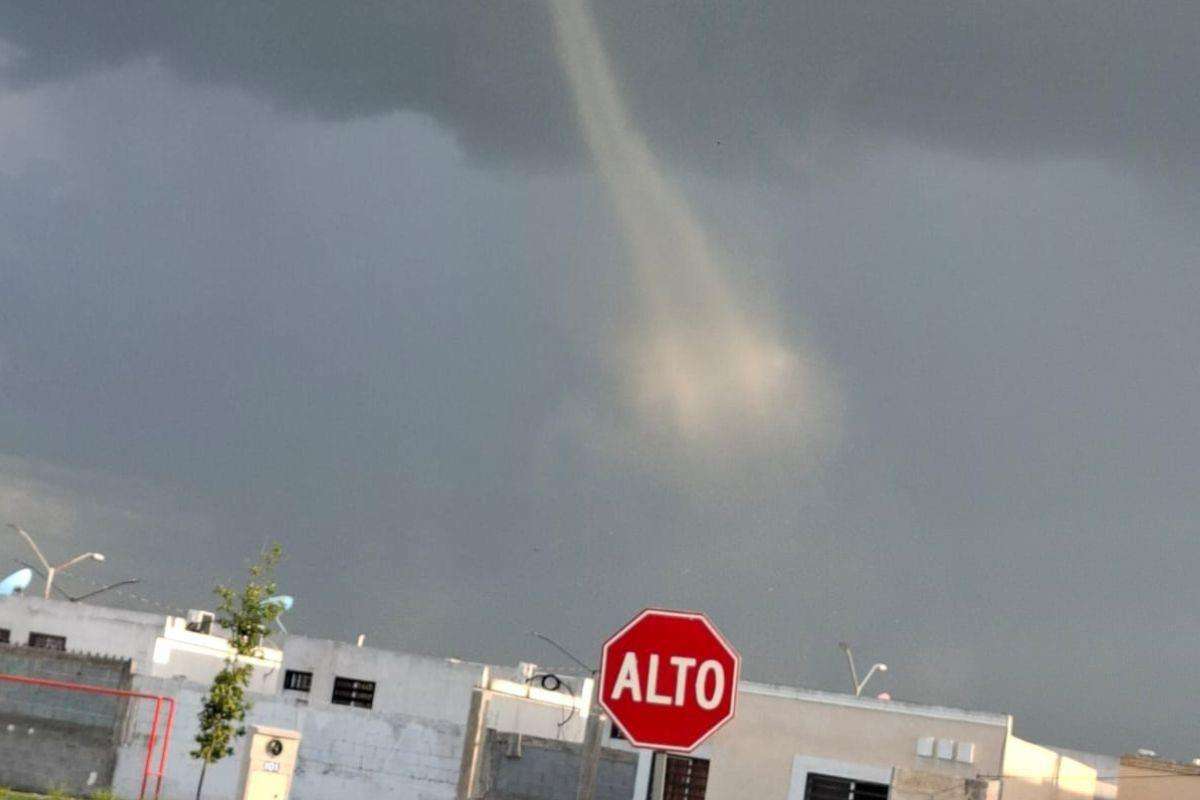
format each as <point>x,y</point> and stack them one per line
<point>200,785</point>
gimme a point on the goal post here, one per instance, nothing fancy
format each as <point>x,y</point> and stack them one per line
<point>31,704</point>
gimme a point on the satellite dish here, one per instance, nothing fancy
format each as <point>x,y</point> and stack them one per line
<point>16,583</point>
<point>284,600</point>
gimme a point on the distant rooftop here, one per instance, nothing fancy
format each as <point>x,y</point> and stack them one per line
<point>874,704</point>
<point>1161,764</point>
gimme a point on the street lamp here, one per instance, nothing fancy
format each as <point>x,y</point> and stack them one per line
<point>52,570</point>
<point>858,685</point>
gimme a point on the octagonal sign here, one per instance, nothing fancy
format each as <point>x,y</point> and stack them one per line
<point>669,679</point>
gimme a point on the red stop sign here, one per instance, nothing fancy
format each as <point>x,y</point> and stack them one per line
<point>669,679</point>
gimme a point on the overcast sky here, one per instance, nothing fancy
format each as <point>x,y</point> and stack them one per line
<point>359,281</point>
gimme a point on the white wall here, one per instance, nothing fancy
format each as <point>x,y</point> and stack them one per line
<point>198,657</point>
<point>1033,772</point>
<point>345,753</point>
<point>157,645</point>
<point>780,734</point>
<point>1106,768</point>
<point>408,745</point>
<point>88,628</point>
<point>406,683</point>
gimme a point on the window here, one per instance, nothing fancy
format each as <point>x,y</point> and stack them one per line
<point>831,787</point>
<point>686,778</point>
<point>351,692</point>
<point>46,641</point>
<point>4,634</point>
<point>297,681</point>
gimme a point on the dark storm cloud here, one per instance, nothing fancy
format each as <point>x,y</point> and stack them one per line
<point>765,79</point>
<point>219,323</point>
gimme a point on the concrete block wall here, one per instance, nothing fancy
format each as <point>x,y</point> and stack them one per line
<point>56,738</point>
<point>88,628</point>
<point>37,755</point>
<point>545,769</point>
<point>60,704</point>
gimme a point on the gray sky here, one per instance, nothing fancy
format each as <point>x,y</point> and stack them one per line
<point>354,281</point>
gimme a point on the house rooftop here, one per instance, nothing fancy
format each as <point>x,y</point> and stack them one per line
<point>1138,761</point>
<point>874,704</point>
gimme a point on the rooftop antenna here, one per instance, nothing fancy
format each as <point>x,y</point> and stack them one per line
<point>859,685</point>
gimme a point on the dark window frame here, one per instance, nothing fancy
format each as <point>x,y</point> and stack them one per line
<point>48,641</point>
<point>353,692</point>
<point>685,778</point>
<point>837,787</point>
<point>5,636</point>
<point>297,680</point>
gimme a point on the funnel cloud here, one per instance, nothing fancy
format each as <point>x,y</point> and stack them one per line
<point>701,371</point>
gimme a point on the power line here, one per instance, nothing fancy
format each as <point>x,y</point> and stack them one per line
<point>174,610</point>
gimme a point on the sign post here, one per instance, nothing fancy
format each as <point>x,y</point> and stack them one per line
<point>669,680</point>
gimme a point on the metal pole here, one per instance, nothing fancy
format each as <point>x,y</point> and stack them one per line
<point>166,743</point>
<point>853,672</point>
<point>589,763</point>
<point>32,544</point>
<point>473,740</point>
<point>150,748</point>
<point>658,778</point>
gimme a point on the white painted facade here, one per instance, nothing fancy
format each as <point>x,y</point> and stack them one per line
<point>179,652</point>
<point>781,736</point>
<point>410,742</point>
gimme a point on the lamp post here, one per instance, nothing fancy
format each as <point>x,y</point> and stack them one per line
<point>859,685</point>
<point>51,571</point>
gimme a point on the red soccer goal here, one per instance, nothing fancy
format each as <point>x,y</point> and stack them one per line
<point>156,740</point>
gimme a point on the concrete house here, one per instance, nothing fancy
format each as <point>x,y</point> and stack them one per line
<point>1143,777</point>
<point>379,723</point>
<point>797,744</point>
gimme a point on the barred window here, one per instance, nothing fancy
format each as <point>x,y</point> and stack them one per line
<point>47,641</point>
<point>831,787</point>
<point>352,692</point>
<point>297,681</point>
<point>686,778</point>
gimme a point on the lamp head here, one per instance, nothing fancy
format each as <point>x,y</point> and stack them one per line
<point>97,556</point>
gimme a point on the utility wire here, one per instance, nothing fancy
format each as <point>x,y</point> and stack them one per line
<point>175,610</point>
<point>563,650</point>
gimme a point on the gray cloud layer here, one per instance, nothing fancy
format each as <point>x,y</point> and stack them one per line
<point>766,79</point>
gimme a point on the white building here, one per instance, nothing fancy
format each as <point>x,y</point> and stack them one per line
<point>377,723</point>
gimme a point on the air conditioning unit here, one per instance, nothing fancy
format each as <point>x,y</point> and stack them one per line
<point>199,621</point>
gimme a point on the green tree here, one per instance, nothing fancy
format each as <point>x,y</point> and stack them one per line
<point>246,616</point>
